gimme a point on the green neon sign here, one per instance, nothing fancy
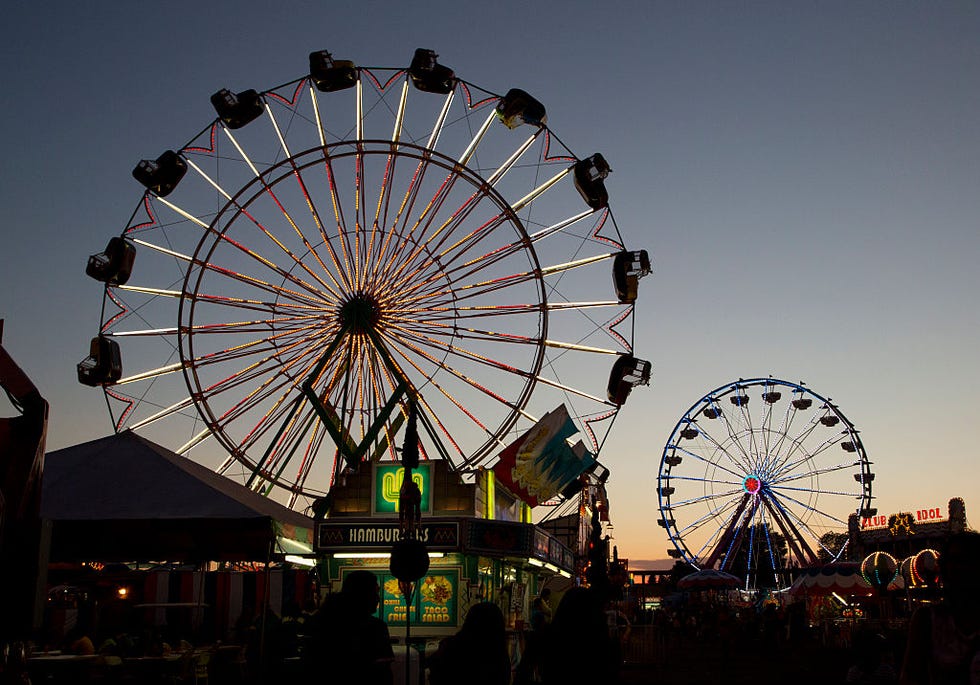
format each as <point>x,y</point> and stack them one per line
<point>388,481</point>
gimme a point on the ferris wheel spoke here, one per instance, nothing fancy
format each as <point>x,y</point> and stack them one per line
<point>396,239</point>
<point>293,432</point>
<point>174,408</point>
<point>785,517</point>
<point>709,462</point>
<point>726,535</point>
<point>469,355</point>
<point>432,329</point>
<point>276,378</point>
<point>285,293</point>
<point>436,430</point>
<point>481,288</point>
<point>712,514</point>
<point>274,347</point>
<point>463,211</point>
<point>275,366</point>
<point>491,181</point>
<point>806,507</point>
<point>811,426</point>
<point>195,441</point>
<point>303,433</point>
<point>239,378</point>
<point>766,433</point>
<point>151,373</point>
<point>430,421</point>
<point>249,326</point>
<point>753,448</point>
<point>766,545</point>
<point>775,450</point>
<point>558,227</point>
<point>816,491</point>
<point>400,345</point>
<point>785,464</point>
<point>476,312</point>
<point>338,211</point>
<point>379,394</point>
<point>424,221</point>
<point>706,498</point>
<point>232,302</point>
<point>736,458</point>
<point>336,286</point>
<point>411,194</point>
<point>733,437</point>
<point>280,416</point>
<point>268,190</point>
<point>317,294</point>
<point>435,242</point>
<point>317,435</point>
<point>784,477</point>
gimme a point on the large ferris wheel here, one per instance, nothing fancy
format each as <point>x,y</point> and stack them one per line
<point>759,478</point>
<point>327,253</point>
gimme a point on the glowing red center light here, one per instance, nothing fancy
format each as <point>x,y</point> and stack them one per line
<point>751,484</point>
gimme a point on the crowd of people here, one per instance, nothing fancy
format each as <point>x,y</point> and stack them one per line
<point>586,638</point>
<point>582,639</point>
<point>348,641</point>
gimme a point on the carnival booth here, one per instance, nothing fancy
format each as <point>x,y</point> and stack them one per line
<point>481,543</point>
<point>149,527</point>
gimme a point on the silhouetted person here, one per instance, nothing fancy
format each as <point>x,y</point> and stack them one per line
<point>541,610</point>
<point>873,660</point>
<point>477,654</point>
<point>348,643</point>
<point>944,640</point>
<point>575,648</point>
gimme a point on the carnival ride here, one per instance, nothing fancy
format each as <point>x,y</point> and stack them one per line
<point>758,478</point>
<point>327,252</point>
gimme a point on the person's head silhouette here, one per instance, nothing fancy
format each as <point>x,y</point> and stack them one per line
<point>361,592</point>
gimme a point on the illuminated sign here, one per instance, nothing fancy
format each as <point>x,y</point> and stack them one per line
<point>435,600</point>
<point>337,536</point>
<point>388,481</point>
<point>920,516</point>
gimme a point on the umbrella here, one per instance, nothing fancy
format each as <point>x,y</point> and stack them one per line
<point>708,579</point>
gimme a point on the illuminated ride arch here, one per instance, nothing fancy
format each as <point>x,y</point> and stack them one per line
<point>326,252</point>
<point>758,478</point>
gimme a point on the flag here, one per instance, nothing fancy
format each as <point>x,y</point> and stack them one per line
<point>541,462</point>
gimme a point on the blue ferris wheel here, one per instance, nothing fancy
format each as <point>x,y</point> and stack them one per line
<point>758,478</point>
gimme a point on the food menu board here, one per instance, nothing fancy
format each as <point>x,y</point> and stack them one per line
<point>435,600</point>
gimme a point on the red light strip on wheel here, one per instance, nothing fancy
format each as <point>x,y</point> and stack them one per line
<point>292,101</point>
<point>557,158</point>
<point>128,401</point>
<point>599,227</point>
<point>207,150</point>
<point>469,97</point>
<point>614,333</point>
<point>591,433</point>
<point>151,221</point>
<point>122,310</point>
<point>378,83</point>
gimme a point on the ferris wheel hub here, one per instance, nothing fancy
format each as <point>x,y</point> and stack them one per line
<point>752,484</point>
<point>360,313</point>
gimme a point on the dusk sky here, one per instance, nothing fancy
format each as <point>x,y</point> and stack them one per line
<point>805,177</point>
